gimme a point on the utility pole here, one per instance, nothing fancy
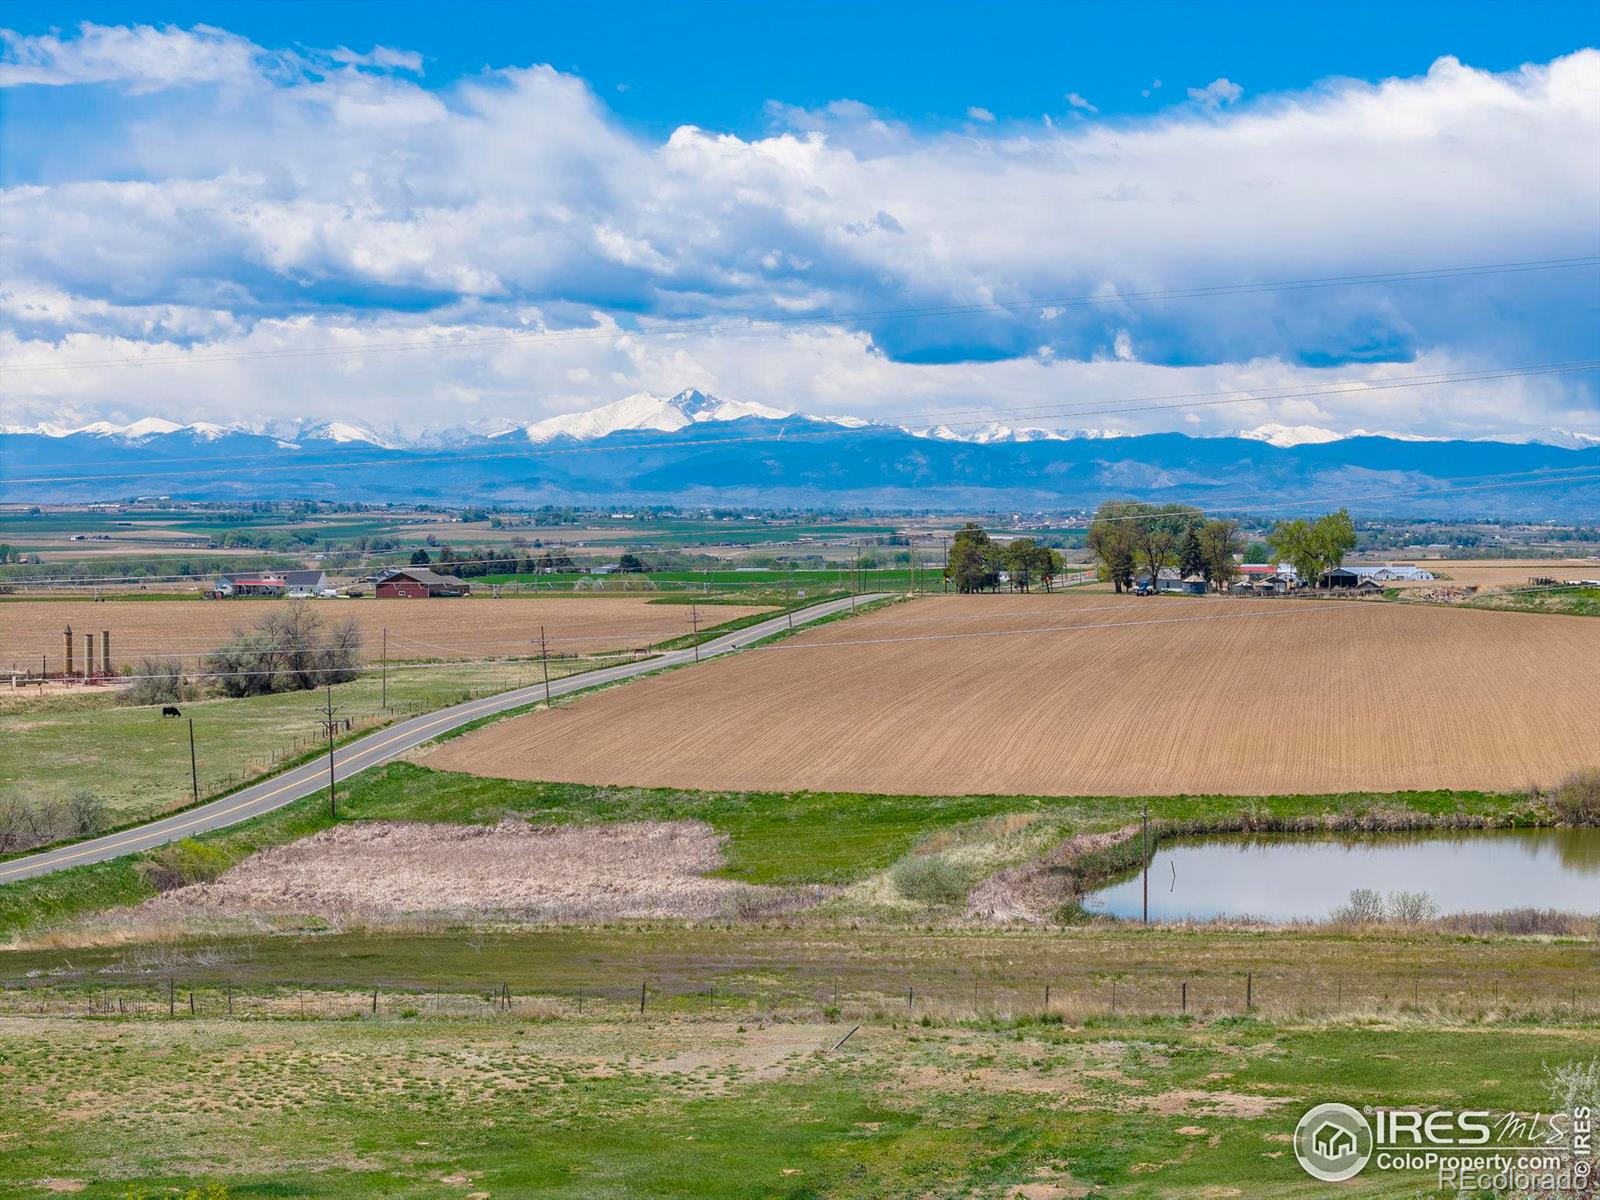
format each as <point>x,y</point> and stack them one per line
<point>194,770</point>
<point>544,663</point>
<point>328,723</point>
<point>386,668</point>
<point>944,580</point>
<point>1144,845</point>
<point>694,619</point>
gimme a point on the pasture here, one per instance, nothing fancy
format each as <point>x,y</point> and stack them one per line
<point>472,628</point>
<point>139,763</point>
<point>566,1089</point>
<point>520,1104</point>
<point>1091,694</point>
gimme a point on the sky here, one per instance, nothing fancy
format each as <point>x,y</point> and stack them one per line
<point>419,216</point>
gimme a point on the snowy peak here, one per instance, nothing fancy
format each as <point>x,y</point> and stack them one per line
<point>346,431</point>
<point>643,410</point>
<point>1285,436</point>
<point>991,433</point>
<point>1568,439</point>
<point>133,431</point>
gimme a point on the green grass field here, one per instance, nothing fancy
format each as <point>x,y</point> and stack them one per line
<point>783,839</point>
<point>1146,1076</point>
<point>1576,602</point>
<point>138,763</point>
<point>751,1105</point>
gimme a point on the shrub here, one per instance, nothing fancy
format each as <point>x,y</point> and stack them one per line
<point>25,823</point>
<point>287,651</point>
<point>1518,921</point>
<point>1577,800</point>
<point>156,681</point>
<point>85,813</point>
<point>932,879</point>
<point>1364,907</point>
<point>1410,908</point>
<point>1367,907</point>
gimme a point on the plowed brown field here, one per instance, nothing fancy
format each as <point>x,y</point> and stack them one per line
<point>1093,695</point>
<point>418,629</point>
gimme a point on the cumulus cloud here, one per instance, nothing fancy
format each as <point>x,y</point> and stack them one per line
<point>1079,102</point>
<point>980,114</point>
<point>1216,93</point>
<point>347,203</point>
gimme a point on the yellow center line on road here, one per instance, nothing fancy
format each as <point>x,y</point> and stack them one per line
<point>209,812</point>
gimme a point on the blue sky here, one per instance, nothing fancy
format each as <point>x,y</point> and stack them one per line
<point>282,189</point>
<point>661,65</point>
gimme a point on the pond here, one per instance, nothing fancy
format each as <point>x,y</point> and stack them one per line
<point>1295,877</point>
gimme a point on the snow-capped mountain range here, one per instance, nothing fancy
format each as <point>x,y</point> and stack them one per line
<point>645,411</point>
<point>695,448</point>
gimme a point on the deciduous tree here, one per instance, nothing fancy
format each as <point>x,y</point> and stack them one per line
<point>1219,544</point>
<point>972,565</point>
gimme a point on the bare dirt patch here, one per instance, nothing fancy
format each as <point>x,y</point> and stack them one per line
<point>387,869</point>
<point>1183,1101</point>
<point>1094,695</point>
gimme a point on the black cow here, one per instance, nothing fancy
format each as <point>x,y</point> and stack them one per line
<point>171,710</point>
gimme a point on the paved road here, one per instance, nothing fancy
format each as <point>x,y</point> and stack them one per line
<point>380,747</point>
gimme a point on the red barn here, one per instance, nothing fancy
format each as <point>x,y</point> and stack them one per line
<point>418,583</point>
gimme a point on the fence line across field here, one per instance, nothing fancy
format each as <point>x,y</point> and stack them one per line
<point>852,991</point>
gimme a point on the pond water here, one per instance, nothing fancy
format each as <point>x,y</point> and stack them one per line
<point>1293,877</point>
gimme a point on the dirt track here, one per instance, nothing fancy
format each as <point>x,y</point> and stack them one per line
<point>418,629</point>
<point>1094,695</point>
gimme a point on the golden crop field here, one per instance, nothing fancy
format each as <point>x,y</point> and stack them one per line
<point>418,629</point>
<point>1092,694</point>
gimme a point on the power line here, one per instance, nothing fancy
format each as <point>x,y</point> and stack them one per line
<point>725,326</point>
<point>518,455</point>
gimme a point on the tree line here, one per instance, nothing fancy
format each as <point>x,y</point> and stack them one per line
<point>977,562</point>
<point>1129,538</point>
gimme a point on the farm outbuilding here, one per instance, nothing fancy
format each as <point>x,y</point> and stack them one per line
<point>418,583</point>
<point>251,583</point>
<point>295,584</point>
<point>305,583</point>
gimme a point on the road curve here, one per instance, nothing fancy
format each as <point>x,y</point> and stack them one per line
<point>379,747</point>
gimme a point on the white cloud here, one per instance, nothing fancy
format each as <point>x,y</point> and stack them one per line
<point>383,57</point>
<point>1079,102</point>
<point>140,57</point>
<point>980,114</point>
<point>337,203</point>
<point>1216,93</point>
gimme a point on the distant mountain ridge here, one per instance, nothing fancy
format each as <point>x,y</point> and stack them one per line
<point>694,448</point>
<point>646,411</point>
